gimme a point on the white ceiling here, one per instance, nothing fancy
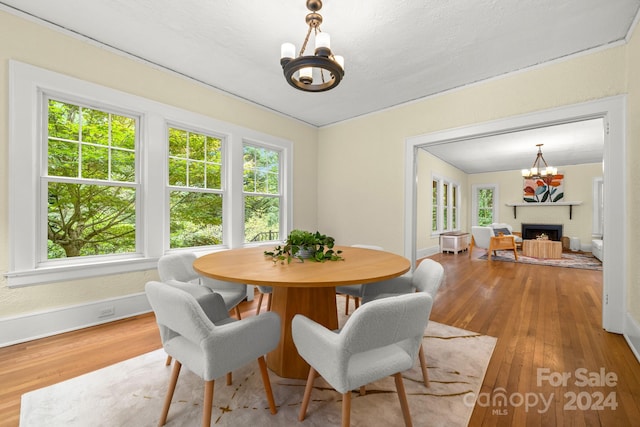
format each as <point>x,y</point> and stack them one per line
<point>395,51</point>
<point>565,144</point>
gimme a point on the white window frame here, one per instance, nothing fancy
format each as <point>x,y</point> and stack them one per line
<point>474,201</point>
<point>442,181</point>
<point>27,84</point>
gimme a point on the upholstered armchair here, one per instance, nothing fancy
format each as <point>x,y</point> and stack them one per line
<point>381,338</point>
<point>483,237</point>
<point>200,334</point>
<point>501,228</point>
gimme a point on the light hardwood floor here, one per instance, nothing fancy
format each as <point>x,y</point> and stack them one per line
<point>544,318</point>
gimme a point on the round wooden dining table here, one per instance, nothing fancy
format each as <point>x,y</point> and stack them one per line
<point>306,288</point>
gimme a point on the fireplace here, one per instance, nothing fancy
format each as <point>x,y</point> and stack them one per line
<point>532,231</point>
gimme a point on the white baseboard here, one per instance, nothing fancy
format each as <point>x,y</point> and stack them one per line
<point>632,334</point>
<point>425,252</point>
<point>14,330</point>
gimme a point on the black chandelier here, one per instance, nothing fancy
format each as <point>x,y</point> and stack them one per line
<point>312,73</point>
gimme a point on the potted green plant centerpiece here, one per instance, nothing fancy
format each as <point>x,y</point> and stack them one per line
<point>303,245</point>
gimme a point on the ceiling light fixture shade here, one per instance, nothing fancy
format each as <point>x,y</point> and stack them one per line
<point>312,73</point>
<point>537,171</point>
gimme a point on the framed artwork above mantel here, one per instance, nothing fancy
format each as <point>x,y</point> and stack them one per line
<point>548,189</point>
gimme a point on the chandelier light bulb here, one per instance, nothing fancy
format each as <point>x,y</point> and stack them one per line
<point>306,75</point>
<point>287,50</point>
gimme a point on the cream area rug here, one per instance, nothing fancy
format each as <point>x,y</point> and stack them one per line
<point>131,393</point>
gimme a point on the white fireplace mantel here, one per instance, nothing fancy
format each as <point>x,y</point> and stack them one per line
<point>546,204</point>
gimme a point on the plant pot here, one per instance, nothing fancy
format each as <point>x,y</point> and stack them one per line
<point>305,253</point>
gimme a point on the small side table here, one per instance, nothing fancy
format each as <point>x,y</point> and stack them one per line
<point>542,249</point>
<point>454,241</point>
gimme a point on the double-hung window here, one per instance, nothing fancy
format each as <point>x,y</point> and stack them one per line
<point>103,182</point>
<point>195,189</point>
<point>484,203</point>
<point>445,202</point>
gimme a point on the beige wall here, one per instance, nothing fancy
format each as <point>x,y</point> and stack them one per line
<point>578,186</point>
<point>37,45</point>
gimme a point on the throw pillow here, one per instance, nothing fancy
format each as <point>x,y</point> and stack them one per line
<point>504,231</point>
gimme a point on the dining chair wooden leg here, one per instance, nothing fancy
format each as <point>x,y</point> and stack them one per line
<point>307,394</point>
<point>168,362</point>
<point>267,384</point>
<point>238,313</point>
<point>357,301</point>
<point>346,409</point>
<point>208,403</point>
<point>259,303</point>
<point>229,378</point>
<point>172,386</point>
<point>269,302</point>
<point>346,305</point>
<point>402,396</point>
<point>423,366</point>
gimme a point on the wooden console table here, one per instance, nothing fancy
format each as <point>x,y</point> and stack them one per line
<point>542,249</point>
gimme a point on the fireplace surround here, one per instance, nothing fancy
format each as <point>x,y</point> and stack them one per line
<point>532,231</point>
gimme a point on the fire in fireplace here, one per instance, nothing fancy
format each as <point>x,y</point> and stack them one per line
<point>532,231</point>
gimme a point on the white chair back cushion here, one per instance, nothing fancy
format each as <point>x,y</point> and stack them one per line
<point>481,236</point>
<point>428,277</point>
<point>178,267</point>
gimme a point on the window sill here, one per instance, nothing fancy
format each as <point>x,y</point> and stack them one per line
<point>17,279</point>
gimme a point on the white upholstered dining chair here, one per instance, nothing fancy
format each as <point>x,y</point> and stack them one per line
<point>178,268</point>
<point>381,338</point>
<point>355,291</point>
<point>199,334</point>
<point>427,277</point>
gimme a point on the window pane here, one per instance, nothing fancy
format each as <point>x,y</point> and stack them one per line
<point>123,132</point>
<point>485,206</point>
<point>123,165</point>
<point>64,158</point>
<point>262,218</point>
<point>95,126</point>
<point>64,120</point>
<point>204,168</point>
<point>196,174</point>
<point>177,143</point>
<point>435,204</point>
<point>195,219</point>
<point>95,162</point>
<point>86,220</point>
<point>261,170</point>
